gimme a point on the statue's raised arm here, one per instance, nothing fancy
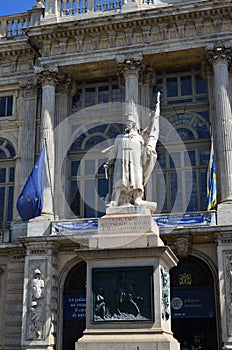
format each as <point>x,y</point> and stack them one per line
<point>151,137</point>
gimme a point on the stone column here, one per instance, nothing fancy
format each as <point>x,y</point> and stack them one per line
<point>129,67</point>
<point>224,252</point>
<point>48,78</point>
<point>222,130</point>
<point>62,144</point>
<point>207,71</point>
<point>39,315</point>
<point>26,142</point>
<point>230,87</point>
<point>147,79</point>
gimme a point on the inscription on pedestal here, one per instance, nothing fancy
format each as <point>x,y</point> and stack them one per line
<point>133,223</point>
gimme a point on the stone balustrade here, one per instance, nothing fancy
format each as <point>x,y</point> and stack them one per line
<point>73,7</point>
<point>14,25</point>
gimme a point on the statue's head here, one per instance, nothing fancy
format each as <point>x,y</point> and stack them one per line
<point>132,120</point>
<point>130,125</point>
<point>37,273</point>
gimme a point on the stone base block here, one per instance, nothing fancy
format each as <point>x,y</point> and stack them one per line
<point>125,220</point>
<point>224,213</point>
<point>126,240</point>
<point>39,226</point>
<point>141,340</point>
<point>126,227</point>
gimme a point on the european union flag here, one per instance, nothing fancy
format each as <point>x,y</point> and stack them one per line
<point>211,181</point>
<point>29,203</point>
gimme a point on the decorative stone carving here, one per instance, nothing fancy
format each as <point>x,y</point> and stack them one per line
<point>165,278</point>
<point>48,75</point>
<point>37,307</point>
<point>219,54</point>
<point>112,39</point>
<point>183,245</point>
<point>29,87</point>
<point>79,43</point>
<point>228,281</point>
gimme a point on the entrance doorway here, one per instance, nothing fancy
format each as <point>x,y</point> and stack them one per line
<point>74,301</point>
<point>193,304</point>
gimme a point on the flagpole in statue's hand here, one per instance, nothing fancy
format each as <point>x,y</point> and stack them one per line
<point>106,166</point>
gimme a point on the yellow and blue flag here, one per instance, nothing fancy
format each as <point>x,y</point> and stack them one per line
<point>30,201</point>
<point>211,180</point>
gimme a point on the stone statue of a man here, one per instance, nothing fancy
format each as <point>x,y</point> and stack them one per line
<point>133,156</point>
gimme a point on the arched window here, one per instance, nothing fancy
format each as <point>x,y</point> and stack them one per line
<point>7,155</point>
<point>87,182</point>
<point>178,182</point>
<point>179,177</point>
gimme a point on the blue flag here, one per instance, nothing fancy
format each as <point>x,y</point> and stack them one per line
<point>29,203</point>
<point>211,181</point>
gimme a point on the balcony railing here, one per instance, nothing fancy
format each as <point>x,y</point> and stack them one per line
<point>14,25</point>
<point>73,7</point>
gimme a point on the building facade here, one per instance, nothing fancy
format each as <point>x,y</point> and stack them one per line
<point>69,70</point>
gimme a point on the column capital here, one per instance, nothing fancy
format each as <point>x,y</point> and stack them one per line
<point>129,64</point>
<point>66,85</point>
<point>29,86</point>
<point>206,69</point>
<point>219,53</point>
<point>48,75</point>
<point>147,74</point>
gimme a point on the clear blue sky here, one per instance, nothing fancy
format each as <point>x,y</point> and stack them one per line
<point>9,7</point>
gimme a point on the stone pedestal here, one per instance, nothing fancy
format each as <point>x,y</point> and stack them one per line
<point>128,301</point>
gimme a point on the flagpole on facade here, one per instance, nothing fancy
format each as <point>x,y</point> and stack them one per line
<point>50,178</point>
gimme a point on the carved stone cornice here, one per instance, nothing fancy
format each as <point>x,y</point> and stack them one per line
<point>219,54</point>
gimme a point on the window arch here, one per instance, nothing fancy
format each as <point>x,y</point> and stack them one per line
<point>7,170</point>
<point>179,177</point>
<point>87,183</point>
